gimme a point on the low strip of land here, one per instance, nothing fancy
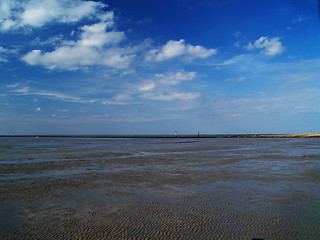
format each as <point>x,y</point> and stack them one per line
<point>257,135</point>
<point>299,135</point>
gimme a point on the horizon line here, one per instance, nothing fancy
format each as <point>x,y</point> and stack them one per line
<point>235,135</point>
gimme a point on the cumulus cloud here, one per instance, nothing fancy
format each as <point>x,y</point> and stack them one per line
<point>96,46</point>
<point>173,49</point>
<point>93,44</point>
<point>96,35</point>
<point>270,47</point>
<point>37,13</point>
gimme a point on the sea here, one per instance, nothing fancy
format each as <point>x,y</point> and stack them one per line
<point>264,188</point>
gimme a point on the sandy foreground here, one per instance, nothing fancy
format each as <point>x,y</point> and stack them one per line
<point>173,195</point>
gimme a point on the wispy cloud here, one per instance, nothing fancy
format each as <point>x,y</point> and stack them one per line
<point>51,41</point>
<point>147,86</point>
<point>2,59</point>
<point>245,64</point>
<point>159,87</point>
<point>171,96</point>
<point>163,87</point>
<point>12,85</point>
<point>239,79</point>
<point>5,53</point>
<point>27,91</point>
<point>175,78</point>
<point>62,110</point>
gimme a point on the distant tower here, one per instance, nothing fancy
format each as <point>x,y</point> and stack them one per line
<point>175,133</point>
<point>198,134</point>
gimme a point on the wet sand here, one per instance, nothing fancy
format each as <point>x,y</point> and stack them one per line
<point>207,189</point>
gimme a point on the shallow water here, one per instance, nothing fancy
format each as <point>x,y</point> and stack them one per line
<point>236,188</point>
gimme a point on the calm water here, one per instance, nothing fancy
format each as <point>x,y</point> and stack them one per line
<point>267,181</point>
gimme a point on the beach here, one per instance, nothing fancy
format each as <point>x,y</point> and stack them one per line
<point>178,188</point>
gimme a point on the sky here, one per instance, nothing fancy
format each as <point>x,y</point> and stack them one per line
<point>156,67</point>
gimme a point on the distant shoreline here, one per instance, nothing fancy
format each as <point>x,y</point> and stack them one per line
<point>297,135</point>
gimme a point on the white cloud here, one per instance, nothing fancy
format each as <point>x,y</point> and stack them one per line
<point>14,85</point>
<point>160,87</point>
<point>179,48</point>
<point>27,91</point>
<point>73,58</point>
<point>163,87</point>
<point>7,24</point>
<point>129,72</point>
<point>54,40</point>
<point>246,64</point>
<point>38,109</point>
<point>160,81</point>
<point>2,59</point>
<point>239,79</point>
<point>117,101</point>
<point>37,13</point>
<point>237,115</point>
<point>5,8</point>
<point>237,34</point>
<point>4,53</point>
<point>23,90</point>
<point>95,47</point>
<point>172,96</point>
<point>174,79</point>
<point>269,48</point>
<point>4,50</point>
<point>96,36</point>
<point>122,97</point>
<point>147,87</point>
<point>299,19</point>
<point>290,102</point>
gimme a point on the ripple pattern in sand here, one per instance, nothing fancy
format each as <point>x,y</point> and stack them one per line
<point>160,189</point>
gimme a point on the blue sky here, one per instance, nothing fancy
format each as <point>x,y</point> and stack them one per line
<point>153,67</point>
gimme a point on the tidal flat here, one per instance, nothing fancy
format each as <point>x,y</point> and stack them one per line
<point>137,188</point>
